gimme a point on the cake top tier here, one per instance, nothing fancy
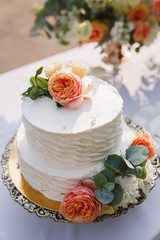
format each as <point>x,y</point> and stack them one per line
<point>104,105</point>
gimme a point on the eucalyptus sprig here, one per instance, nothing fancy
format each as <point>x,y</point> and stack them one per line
<point>132,164</point>
<point>39,86</point>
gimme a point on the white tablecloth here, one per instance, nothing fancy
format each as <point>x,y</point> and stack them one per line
<point>141,85</point>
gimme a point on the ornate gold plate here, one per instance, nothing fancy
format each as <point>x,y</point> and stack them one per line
<point>34,201</point>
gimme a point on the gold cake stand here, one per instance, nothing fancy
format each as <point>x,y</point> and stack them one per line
<point>34,201</point>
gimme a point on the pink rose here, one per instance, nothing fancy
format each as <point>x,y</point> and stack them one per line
<point>80,205</point>
<point>142,31</point>
<point>66,88</point>
<point>156,9</point>
<point>89,182</point>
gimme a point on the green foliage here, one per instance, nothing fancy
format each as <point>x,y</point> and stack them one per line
<point>109,187</point>
<point>110,176</point>
<point>118,195</point>
<point>115,163</point>
<point>34,93</point>
<point>133,164</point>
<point>140,172</point>
<point>137,154</point>
<point>103,196</point>
<point>40,82</point>
<point>130,172</point>
<point>39,86</point>
<point>100,180</point>
<point>51,8</point>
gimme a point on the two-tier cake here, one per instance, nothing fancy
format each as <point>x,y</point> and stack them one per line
<point>72,148</point>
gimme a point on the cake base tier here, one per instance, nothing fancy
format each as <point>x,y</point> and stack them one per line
<point>34,201</point>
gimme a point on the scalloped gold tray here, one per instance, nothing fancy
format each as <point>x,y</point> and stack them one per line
<point>34,201</point>
<point>21,184</point>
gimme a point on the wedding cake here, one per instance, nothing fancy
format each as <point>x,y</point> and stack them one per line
<point>64,142</point>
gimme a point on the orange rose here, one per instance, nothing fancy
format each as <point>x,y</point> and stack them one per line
<point>80,205</point>
<point>156,9</point>
<point>66,88</point>
<point>142,31</point>
<point>99,32</point>
<point>146,140</point>
<point>139,13</point>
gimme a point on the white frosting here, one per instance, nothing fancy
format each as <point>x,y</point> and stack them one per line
<point>51,181</point>
<point>102,108</point>
<point>59,146</point>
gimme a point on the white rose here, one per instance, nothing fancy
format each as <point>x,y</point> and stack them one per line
<point>82,31</point>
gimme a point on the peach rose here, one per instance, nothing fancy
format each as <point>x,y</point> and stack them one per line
<point>81,205</point>
<point>66,88</point>
<point>146,140</point>
<point>138,13</point>
<point>156,9</point>
<point>99,32</point>
<point>142,31</point>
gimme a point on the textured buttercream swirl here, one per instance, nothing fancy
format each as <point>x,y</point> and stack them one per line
<point>76,150</point>
<point>55,182</point>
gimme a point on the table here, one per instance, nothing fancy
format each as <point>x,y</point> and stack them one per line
<point>141,85</point>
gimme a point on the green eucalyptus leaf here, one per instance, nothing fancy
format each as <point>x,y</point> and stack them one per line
<point>109,187</point>
<point>118,195</point>
<point>103,196</point>
<point>128,163</point>
<point>109,174</point>
<point>34,93</point>
<point>130,172</point>
<point>100,180</point>
<point>140,172</point>
<point>137,154</point>
<point>115,163</point>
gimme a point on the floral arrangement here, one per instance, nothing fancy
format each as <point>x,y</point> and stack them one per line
<point>118,185</point>
<point>63,84</point>
<point>110,23</point>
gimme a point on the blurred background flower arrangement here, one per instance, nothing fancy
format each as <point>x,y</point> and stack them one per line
<point>109,23</point>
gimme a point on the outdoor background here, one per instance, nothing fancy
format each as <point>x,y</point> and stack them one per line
<point>16,47</point>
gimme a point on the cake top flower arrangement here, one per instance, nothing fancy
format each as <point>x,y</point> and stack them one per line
<point>110,23</point>
<point>63,84</point>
